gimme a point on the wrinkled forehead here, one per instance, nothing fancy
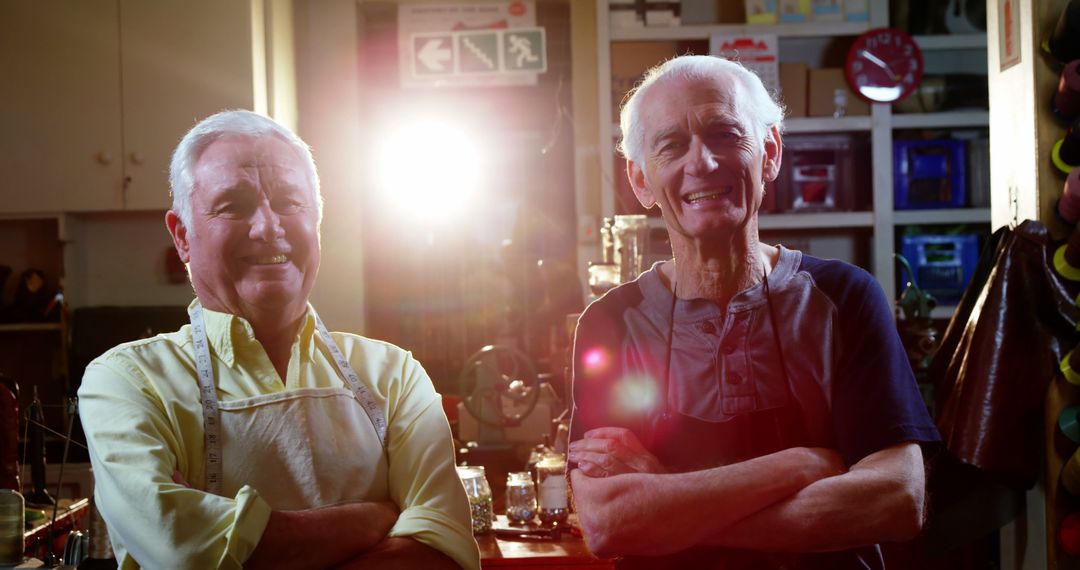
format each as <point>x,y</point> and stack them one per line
<point>719,95</point>
<point>248,151</point>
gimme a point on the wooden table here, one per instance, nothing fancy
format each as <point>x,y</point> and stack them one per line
<point>68,517</point>
<point>568,551</point>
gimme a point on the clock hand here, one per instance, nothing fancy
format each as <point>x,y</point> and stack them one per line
<point>877,61</point>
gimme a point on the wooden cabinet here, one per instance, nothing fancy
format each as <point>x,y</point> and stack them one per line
<point>96,94</point>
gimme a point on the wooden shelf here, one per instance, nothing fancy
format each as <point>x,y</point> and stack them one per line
<point>951,41</point>
<point>947,216</point>
<point>827,124</point>
<point>816,220</point>
<point>702,32</point>
<point>24,327</point>
<point>941,120</point>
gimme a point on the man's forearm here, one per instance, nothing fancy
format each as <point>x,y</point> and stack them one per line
<point>323,537</point>
<point>401,553</point>
<point>880,499</point>
<point>653,514</point>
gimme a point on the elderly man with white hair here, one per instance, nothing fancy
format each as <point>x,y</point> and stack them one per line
<point>253,436</point>
<point>742,405</point>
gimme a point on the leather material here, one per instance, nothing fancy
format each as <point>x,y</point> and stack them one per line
<point>9,435</point>
<point>1001,350</point>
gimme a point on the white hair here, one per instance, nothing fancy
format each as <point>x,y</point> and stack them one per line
<point>765,112</point>
<point>214,127</point>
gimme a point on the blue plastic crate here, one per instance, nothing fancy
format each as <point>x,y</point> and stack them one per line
<point>929,174</point>
<point>943,264</point>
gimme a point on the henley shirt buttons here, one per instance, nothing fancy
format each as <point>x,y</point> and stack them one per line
<point>734,379</point>
<point>727,348</point>
<point>708,328</point>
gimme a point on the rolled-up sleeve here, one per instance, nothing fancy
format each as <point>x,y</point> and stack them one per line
<point>134,448</point>
<point>423,479</point>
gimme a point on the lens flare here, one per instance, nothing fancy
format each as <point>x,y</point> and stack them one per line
<point>634,395</point>
<point>595,360</point>
<point>429,169</point>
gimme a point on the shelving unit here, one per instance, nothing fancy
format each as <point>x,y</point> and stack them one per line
<point>882,219</point>
<point>35,354</point>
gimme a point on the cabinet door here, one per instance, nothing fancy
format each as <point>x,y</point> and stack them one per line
<point>60,140</point>
<point>182,60</point>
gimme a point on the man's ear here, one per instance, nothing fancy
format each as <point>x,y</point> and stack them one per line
<point>773,151</point>
<point>637,182</point>
<point>179,235</point>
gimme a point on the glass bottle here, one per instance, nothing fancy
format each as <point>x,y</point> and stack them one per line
<point>554,506</point>
<point>520,498</point>
<point>631,234</point>
<point>607,242</point>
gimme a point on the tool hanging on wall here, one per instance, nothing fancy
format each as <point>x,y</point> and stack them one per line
<point>1065,154</point>
<point>1065,104</point>
<point>1064,43</point>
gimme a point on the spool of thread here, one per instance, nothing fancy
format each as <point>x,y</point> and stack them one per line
<point>1066,152</point>
<point>1070,475</point>
<point>1065,103</point>
<point>1069,423</point>
<point>1066,259</point>
<point>1069,534</point>
<point>1068,206</point>
<point>12,525</point>
<point>1062,43</point>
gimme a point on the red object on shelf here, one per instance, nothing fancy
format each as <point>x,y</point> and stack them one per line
<point>1069,534</point>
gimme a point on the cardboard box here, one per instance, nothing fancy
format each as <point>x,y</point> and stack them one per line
<point>823,86</point>
<point>629,61</point>
<point>793,88</point>
<point>761,12</point>
<point>794,11</point>
<point>826,11</point>
<point>857,10</point>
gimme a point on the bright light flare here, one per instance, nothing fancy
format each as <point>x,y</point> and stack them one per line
<point>634,395</point>
<point>429,169</point>
<point>595,360</point>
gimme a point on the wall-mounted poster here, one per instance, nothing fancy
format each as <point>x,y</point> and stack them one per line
<point>1008,33</point>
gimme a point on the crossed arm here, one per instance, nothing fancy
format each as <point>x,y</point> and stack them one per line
<point>349,535</point>
<point>352,535</point>
<point>797,500</point>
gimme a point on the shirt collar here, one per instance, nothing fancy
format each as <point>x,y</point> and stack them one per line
<point>692,310</point>
<point>224,331</point>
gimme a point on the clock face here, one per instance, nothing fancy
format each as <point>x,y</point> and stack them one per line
<point>884,65</point>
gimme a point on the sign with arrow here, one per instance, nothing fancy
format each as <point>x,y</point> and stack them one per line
<point>470,44</point>
<point>434,54</point>
<point>494,52</point>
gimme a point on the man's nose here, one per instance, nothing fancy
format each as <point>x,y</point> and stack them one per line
<point>701,159</point>
<point>266,223</point>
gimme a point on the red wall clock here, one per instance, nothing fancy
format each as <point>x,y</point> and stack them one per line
<point>884,65</point>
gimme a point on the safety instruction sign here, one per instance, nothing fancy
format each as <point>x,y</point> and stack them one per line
<point>470,44</point>
<point>469,53</point>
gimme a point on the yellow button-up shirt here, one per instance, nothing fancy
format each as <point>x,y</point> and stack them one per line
<point>140,410</point>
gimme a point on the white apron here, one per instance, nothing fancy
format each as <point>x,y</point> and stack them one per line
<point>299,449</point>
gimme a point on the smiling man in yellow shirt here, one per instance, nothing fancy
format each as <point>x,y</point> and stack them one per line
<point>253,436</point>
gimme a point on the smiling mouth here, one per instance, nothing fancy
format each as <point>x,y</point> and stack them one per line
<point>698,197</point>
<point>269,260</point>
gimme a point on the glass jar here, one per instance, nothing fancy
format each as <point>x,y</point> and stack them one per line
<point>603,277</point>
<point>631,233</point>
<point>477,489</point>
<point>551,478</point>
<point>520,498</point>
<point>12,526</point>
